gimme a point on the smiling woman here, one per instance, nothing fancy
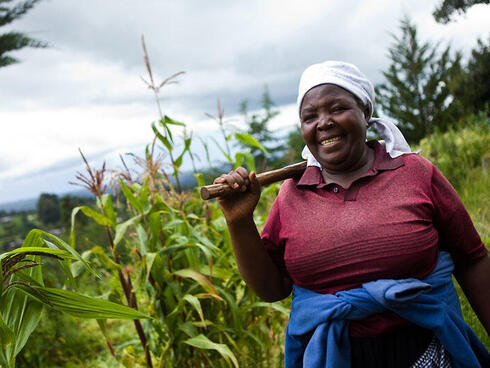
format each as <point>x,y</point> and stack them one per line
<point>367,240</point>
<point>333,125</point>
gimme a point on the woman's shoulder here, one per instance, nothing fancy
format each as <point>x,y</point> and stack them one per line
<point>418,165</point>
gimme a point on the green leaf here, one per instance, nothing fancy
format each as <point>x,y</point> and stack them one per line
<point>246,157</point>
<point>123,227</point>
<point>36,250</point>
<point>105,261</point>
<point>202,342</point>
<point>64,265</point>
<point>109,208</point>
<point>130,197</point>
<point>199,278</point>
<point>64,246</point>
<point>20,313</point>
<point>248,140</point>
<point>199,179</point>
<point>81,306</point>
<point>162,138</point>
<point>168,120</point>
<point>192,300</point>
<point>72,230</point>
<point>275,306</point>
<point>97,216</point>
<point>7,336</point>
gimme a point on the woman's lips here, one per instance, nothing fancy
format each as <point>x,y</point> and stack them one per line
<point>329,141</point>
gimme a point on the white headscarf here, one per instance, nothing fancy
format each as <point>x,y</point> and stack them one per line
<point>349,77</point>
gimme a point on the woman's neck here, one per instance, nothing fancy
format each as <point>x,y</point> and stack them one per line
<point>345,179</point>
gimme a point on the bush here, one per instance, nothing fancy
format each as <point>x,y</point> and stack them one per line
<point>457,151</point>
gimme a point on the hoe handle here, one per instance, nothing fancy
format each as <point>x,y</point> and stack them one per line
<point>265,178</point>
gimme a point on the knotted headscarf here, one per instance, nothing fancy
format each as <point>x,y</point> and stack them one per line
<point>349,77</point>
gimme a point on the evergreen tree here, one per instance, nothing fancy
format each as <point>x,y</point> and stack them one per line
<point>471,89</point>
<point>416,92</point>
<point>258,128</point>
<point>446,10</point>
<point>48,209</point>
<point>11,41</point>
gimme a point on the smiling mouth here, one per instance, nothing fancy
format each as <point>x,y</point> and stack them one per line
<point>328,141</point>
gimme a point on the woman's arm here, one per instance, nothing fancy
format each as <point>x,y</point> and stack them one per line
<point>475,282</point>
<point>256,267</point>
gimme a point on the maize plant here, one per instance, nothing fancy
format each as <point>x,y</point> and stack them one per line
<point>23,294</point>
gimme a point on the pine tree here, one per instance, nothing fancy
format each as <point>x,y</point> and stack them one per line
<point>471,89</point>
<point>11,41</point>
<point>447,9</point>
<point>416,92</point>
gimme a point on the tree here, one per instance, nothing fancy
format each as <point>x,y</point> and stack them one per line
<point>471,88</point>
<point>416,92</point>
<point>48,209</point>
<point>12,40</point>
<point>447,9</point>
<point>258,128</point>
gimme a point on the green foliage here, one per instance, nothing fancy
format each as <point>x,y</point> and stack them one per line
<point>11,41</point>
<point>417,90</point>
<point>471,89</point>
<point>48,209</point>
<point>23,294</point>
<point>456,152</point>
<point>447,9</point>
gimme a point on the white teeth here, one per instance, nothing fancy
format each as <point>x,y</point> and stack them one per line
<point>330,140</point>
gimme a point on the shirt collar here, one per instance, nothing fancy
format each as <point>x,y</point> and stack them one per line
<point>382,162</point>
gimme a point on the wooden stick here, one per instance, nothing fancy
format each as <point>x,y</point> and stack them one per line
<point>265,178</point>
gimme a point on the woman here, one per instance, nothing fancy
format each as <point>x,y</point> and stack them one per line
<point>361,212</point>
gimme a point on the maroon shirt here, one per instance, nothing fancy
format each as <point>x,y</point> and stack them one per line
<point>390,223</point>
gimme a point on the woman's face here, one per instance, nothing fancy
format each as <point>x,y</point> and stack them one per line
<point>334,126</point>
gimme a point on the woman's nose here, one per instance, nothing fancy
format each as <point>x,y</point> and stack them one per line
<point>324,122</point>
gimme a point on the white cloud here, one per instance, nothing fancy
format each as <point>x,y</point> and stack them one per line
<point>85,90</point>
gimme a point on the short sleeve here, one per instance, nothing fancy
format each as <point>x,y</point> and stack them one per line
<point>271,237</point>
<point>457,233</point>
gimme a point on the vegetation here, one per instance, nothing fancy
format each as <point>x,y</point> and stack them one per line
<point>445,12</point>
<point>11,41</point>
<point>162,253</point>
<point>416,91</point>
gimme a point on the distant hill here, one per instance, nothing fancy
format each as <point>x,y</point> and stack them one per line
<point>30,204</point>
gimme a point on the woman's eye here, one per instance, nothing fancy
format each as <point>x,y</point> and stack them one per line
<point>338,109</point>
<point>308,118</point>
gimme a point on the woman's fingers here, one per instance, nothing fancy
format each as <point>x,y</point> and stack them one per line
<point>237,179</point>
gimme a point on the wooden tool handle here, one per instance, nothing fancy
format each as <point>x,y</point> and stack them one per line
<point>265,178</point>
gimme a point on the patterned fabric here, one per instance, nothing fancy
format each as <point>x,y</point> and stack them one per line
<point>434,357</point>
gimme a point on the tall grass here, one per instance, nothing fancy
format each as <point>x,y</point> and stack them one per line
<point>463,156</point>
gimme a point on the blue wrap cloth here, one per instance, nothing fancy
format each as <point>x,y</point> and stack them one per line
<point>317,335</point>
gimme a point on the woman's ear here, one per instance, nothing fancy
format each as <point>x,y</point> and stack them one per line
<point>366,112</point>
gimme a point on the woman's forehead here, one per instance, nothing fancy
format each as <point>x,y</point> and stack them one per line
<point>326,91</point>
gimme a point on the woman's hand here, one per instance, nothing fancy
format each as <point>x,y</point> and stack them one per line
<point>241,204</point>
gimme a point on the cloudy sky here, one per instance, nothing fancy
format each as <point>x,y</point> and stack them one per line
<point>86,91</point>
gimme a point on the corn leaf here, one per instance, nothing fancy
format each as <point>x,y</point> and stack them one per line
<point>81,306</point>
<point>37,250</point>
<point>168,120</point>
<point>199,278</point>
<point>196,304</point>
<point>97,216</point>
<point>123,227</point>
<point>248,140</point>
<point>130,197</point>
<point>63,246</point>
<point>202,342</point>
<point>165,141</point>
<point>19,312</point>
